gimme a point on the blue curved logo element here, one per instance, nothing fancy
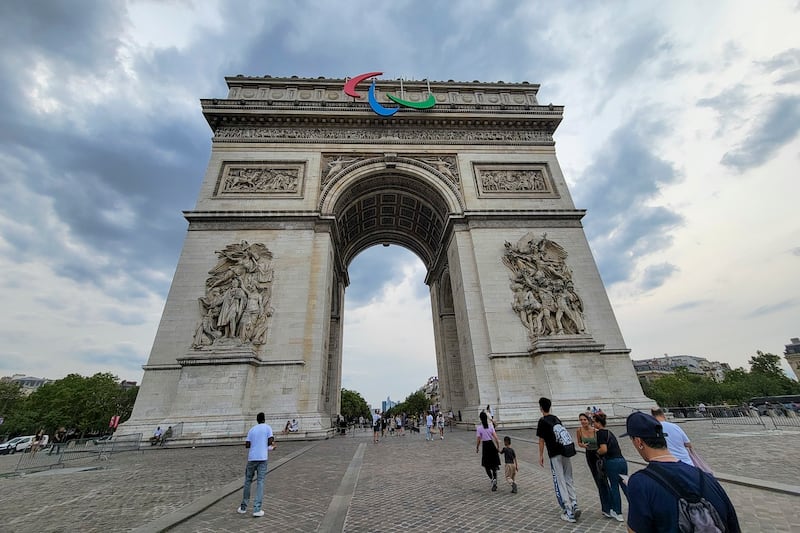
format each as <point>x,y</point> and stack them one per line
<point>350,90</point>
<point>378,108</point>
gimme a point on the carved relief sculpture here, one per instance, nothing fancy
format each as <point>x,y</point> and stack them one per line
<point>261,179</point>
<point>544,296</point>
<point>513,180</point>
<point>235,309</point>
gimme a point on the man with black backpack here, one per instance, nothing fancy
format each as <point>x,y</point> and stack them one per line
<point>553,436</point>
<point>670,495</point>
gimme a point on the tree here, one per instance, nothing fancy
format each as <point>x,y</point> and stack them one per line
<point>767,364</point>
<point>353,405</point>
<point>10,395</point>
<point>85,404</point>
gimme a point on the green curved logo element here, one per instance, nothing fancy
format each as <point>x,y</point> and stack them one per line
<point>427,104</point>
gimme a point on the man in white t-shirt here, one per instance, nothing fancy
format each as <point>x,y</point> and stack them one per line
<point>677,441</point>
<point>258,443</point>
<point>428,426</point>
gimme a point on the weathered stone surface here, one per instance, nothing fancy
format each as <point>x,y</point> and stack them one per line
<point>313,178</point>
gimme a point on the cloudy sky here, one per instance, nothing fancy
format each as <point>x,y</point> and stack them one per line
<point>681,137</point>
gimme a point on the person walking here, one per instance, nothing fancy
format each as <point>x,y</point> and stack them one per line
<point>487,439</point>
<point>429,426</point>
<point>376,426</point>
<point>614,466</point>
<point>259,442</point>
<point>440,424</point>
<point>653,492</point>
<point>586,438</point>
<point>59,438</point>
<point>677,441</point>
<point>512,467</point>
<point>560,464</point>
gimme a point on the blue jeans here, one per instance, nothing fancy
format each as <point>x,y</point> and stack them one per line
<point>614,468</point>
<point>259,470</point>
<point>428,435</point>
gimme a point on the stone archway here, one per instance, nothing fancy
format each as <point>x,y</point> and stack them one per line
<point>301,179</point>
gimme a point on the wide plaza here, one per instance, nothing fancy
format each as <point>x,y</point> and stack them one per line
<point>347,483</point>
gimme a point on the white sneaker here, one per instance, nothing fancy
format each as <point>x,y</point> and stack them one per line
<point>607,515</point>
<point>615,516</point>
<point>567,518</point>
<point>241,510</point>
<point>258,513</point>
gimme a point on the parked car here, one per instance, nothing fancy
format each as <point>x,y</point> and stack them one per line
<point>7,446</point>
<point>18,444</point>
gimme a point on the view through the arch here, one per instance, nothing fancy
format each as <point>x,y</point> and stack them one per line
<point>388,347</point>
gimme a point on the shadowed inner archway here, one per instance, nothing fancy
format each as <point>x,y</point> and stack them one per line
<point>391,208</point>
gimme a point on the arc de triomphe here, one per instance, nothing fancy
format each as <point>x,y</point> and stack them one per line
<point>303,177</point>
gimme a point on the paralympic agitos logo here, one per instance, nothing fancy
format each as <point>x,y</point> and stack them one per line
<point>350,90</point>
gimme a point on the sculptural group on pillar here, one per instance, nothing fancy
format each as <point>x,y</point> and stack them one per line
<point>236,306</point>
<point>544,294</point>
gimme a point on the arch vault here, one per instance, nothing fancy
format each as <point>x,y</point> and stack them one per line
<point>301,179</point>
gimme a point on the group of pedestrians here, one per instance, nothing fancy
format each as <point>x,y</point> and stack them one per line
<point>670,494</point>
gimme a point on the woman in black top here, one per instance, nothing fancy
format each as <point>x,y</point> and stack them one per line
<point>614,465</point>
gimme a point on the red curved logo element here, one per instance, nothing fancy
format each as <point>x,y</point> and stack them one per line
<point>350,86</point>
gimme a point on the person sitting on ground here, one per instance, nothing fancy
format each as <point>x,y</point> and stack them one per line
<point>156,438</point>
<point>167,436</point>
<point>286,427</point>
<point>294,427</point>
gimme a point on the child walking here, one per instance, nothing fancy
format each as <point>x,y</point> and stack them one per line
<point>511,463</point>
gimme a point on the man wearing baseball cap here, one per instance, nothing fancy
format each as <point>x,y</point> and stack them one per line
<point>654,492</point>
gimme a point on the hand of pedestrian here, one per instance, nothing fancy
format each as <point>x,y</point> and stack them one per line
<point>541,461</point>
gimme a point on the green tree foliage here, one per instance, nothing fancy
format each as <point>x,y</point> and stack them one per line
<point>413,405</point>
<point>354,405</point>
<point>765,378</point>
<point>10,396</point>
<point>85,404</point>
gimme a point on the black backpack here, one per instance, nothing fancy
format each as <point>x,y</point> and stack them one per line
<point>695,513</point>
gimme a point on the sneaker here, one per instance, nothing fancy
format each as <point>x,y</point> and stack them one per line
<point>567,518</point>
<point>615,516</point>
<point>606,514</point>
<point>513,488</point>
<point>494,485</point>
<point>241,510</point>
<point>258,514</point>
<point>576,512</point>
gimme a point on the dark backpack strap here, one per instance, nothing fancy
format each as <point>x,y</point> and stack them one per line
<point>660,474</point>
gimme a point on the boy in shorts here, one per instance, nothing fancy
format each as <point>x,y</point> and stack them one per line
<point>511,465</point>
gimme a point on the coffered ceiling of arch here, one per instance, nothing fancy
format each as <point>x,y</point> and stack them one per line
<point>390,209</point>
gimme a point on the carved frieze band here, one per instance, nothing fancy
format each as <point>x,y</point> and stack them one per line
<point>497,180</point>
<point>273,178</point>
<point>381,135</point>
<point>334,165</point>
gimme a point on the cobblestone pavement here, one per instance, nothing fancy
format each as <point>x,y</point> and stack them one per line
<point>402,484</point>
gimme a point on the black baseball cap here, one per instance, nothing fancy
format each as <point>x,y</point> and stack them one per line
<point>642,425</point>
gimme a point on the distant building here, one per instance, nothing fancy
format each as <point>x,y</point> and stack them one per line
<point>649,370</point>
<point>387,404</point>
<point>431,391</point>
<point>27,384</point>
<point>792,355</point>
<point>125,384</point>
